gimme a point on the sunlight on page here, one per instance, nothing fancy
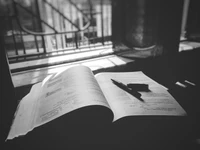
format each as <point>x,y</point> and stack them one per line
<point>66,92</point>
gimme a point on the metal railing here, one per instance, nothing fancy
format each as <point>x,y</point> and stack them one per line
<point>37,29</point>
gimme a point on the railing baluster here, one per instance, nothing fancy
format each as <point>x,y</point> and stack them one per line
<point>107,19</point>
<point>34,28</point>
<point>88,33</point>
<point>53,37</point>
<point>64,29</point>
<point>43,44</point>
<point>40,24</point>
<point>61,23</point>
<point>36,43</point>
<point>13,35</point>
<point>56,41</point>
<point>22,40</point>
<point>92,23</point>
<point>76,40</point>
<point>110,17</point>
<point>102,25</point>
<point>77,33</point>
<point>71,17</point>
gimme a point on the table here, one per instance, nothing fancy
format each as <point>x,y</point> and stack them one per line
<point>132,132</point>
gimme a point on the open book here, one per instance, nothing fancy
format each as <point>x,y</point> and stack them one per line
<point>77,87</point>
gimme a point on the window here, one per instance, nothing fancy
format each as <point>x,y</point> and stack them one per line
<point>48,28</point>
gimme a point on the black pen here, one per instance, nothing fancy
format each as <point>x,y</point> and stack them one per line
<point>125,88</point>
<point>138,87</point>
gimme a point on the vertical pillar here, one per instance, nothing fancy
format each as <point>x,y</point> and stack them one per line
<point>193,22</point>
<point>169,25</point>
<point>118,22</point>
<point>144,23</point>
<point>184,18</point>
<point>141,20</point>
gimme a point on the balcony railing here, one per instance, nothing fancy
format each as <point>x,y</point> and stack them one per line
<point>44,28</point>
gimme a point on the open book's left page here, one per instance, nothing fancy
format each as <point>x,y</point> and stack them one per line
<point>58,94</point>
<point>22,122</point>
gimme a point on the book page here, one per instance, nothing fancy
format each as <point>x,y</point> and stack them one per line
<point>72,89</point>
<point>157,101</point>
<point>24,113</point>
<point>59,94</point>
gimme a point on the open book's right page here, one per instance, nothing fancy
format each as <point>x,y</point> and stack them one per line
<point>157,101</point>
